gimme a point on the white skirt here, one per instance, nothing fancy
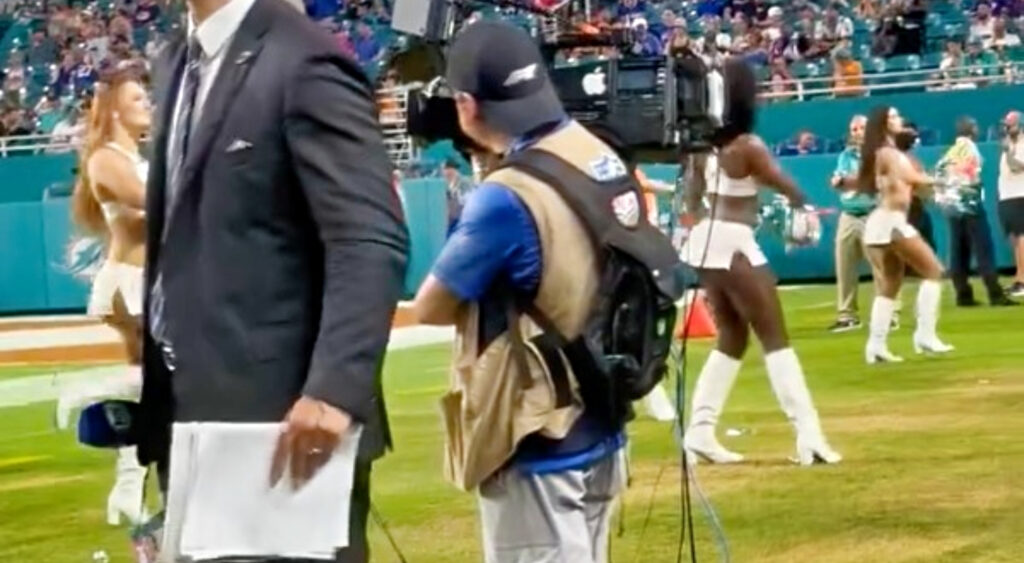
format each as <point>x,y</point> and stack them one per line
<point>885,225</point>
<point>115,277</point>
<point>726,240</point>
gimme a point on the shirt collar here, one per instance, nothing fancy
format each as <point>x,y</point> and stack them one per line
<point>214,33</point>
<point>528,139</point>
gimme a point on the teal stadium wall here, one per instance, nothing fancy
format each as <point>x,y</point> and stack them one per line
<point>34,234</point>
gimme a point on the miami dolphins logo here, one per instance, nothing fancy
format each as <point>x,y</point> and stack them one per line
<point>83,258</point>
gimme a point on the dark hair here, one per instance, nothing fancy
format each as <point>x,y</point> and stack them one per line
<point>740,111</point>
<point>875,134</point>
<point>966,126</point>
<point>450,163</point>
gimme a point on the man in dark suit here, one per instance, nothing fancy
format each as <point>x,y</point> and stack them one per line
<point>276,249</point>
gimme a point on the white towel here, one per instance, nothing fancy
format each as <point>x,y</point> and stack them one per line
<point>220,503</point>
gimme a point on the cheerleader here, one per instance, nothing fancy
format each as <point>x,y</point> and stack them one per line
<point>892,242</point>
<point>108,202</point>
<point>737,280</point>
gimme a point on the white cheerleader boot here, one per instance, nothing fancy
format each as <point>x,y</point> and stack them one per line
<point>713,386</point>
<point>877,350</point>
<point>126,386</point>
<point>658,405</point>
<point>929,295</point>
<point>790,387</point>
<point>128,493</point>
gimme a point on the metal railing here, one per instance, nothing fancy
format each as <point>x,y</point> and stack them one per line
<point>933,79</point>
<point>36,144</point>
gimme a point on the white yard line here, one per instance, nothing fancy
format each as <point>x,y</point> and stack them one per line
<point>56,337</point>
<point>56,319</point>
<point>40,388</point>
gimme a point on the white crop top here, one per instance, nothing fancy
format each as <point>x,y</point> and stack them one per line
<point>719,182</point>
<point>111,209</point>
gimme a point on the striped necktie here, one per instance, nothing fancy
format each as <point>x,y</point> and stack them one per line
<point>176,156</point>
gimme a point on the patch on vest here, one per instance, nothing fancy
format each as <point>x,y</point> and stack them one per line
<point>607,167</point>
<point>627,209</point>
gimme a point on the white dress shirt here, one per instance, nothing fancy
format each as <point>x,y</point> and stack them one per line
<point>214,35</point>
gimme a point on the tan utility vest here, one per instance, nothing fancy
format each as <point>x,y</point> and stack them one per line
<point>488,410</point>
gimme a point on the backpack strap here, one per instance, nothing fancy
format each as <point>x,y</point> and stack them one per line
<point>548,344</point>
<point>589,199</point>
<point>593,203</point>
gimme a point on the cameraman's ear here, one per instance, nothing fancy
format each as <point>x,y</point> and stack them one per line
<point>467,105</point>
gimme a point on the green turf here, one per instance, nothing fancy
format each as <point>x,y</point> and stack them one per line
<point>12,372</point>
<point>933,470</point>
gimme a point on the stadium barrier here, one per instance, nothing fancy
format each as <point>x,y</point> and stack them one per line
<point>35,234</point>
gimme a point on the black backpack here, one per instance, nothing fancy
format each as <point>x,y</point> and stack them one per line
<point>624,348</point>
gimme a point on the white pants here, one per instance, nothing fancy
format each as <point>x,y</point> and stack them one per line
<point>112,278</point>
<point>551,518</point>
<point>713,243</point>
<point>885,225</point>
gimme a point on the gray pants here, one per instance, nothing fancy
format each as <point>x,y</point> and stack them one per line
<point>552,518</point>
<point>849,255</point>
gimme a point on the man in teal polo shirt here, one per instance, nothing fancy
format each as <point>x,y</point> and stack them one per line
<point>854,207</point>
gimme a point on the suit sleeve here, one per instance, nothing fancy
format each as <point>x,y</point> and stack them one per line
<point>338,155</point>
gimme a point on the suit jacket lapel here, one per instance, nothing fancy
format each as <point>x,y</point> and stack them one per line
<point>168,80</point>
<point>241,54</point>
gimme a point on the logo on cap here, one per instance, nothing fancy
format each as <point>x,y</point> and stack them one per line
<point>525,74</point>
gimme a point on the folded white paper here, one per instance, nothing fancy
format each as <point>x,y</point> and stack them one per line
<point>220,503</point>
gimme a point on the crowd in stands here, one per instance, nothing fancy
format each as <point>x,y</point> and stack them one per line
<point>54,50</point>
<point>837,44</point>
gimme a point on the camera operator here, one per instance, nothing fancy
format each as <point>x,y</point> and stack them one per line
<point>546,478</point>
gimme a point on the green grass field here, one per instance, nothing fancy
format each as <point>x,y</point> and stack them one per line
<point>933,472</point>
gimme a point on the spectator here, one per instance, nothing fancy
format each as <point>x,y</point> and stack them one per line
<point>847,75</point>
<point>783,85</point>
<point>833,29</point>
<point>951,67</point>
<point>97,42</point>
<point>744,8</point>
<point>757,54</point>
<point>67,133</point>
<point>886,35</point>
<point>147,13</point>
<point>981,62</point>
<point>761,9</point>
<point>366,46</point>
<point>666,27</point>
<point>867,9</point>
<point>85,74</point>
<point>47,114</point>
<point>645,44</point>
<point>806,143</point>
<point>983,24</point>
<point>42,49</point>
<point>120,26</point>
<point>15,123</point>
<point>740,40</point>
<point>1002,39</point>
<point>626,10</point>
<point>774,24</point>
<point>712,37</point>
<point>802,43</point>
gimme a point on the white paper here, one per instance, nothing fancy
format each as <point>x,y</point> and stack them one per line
<point>220,503</point>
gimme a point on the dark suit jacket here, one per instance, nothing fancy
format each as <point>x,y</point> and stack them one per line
<point>282,263</point>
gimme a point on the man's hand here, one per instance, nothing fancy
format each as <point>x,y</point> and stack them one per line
<point>309,434</point>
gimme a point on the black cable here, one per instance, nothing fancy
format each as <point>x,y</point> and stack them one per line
<point>379,520</point>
